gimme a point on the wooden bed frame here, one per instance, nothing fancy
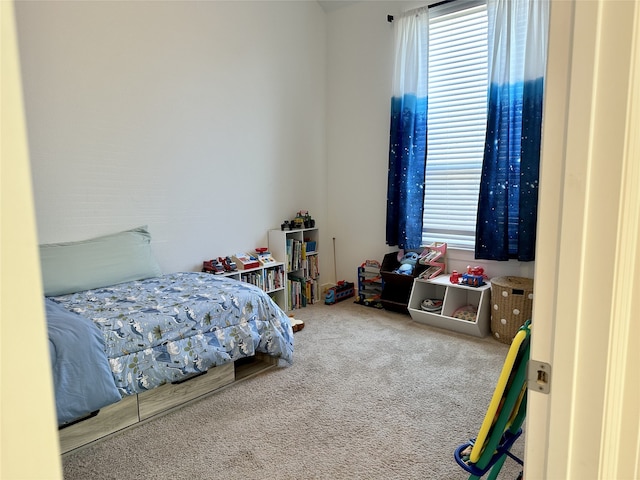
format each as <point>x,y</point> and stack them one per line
<point>135,409</point>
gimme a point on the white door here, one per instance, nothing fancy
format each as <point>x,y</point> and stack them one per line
<point>588,258</point>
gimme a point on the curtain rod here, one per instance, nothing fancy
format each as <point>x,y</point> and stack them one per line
<point>437,4</point>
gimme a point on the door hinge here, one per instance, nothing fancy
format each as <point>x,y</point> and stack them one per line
<point>539,376</point>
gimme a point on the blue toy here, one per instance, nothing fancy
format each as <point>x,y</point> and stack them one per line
<point>407,263</point>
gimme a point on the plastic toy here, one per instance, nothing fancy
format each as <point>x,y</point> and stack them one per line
<point>297,222</point>
<point>466,312</point>
<point>301,220</point>
<point>264,256</point>
<point>213,266</point>
<point>407,263</point>
<point>228,264</point>
<point>432,305</point>
<point>341,291</point>
<point>502,423</point>
<point>474,277</point>
<point>304,217</point>
<point>370,284</point>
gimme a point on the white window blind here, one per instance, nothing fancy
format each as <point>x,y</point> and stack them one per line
<point>457,118</point>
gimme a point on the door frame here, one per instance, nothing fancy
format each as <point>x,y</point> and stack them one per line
<point>587,258</point>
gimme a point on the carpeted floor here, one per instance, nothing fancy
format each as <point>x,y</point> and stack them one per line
<point>371,395</point>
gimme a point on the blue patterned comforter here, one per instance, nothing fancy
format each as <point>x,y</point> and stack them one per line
<point>166,328</point>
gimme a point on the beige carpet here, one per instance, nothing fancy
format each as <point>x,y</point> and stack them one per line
<point>371,395</point>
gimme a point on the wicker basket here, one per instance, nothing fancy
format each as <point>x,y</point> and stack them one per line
<point>512,300</point>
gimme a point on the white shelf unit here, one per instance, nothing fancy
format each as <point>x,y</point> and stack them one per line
<point>270,278</point>
<point>299,263</point>
<point>453,296</point>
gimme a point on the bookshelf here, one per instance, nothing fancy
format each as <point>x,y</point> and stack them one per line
<point>299,249</point>
<point>270,278</point>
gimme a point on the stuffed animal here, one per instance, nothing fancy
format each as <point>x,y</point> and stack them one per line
<point>407,263</point>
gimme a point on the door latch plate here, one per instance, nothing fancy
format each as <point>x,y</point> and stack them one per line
<point>539,376</point>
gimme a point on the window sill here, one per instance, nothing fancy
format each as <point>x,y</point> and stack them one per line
<point>459,258</point>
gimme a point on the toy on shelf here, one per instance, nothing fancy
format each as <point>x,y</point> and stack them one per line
<point>301,220</point>
<point>474,277</point>
<point>370,284</point>
<point>339,292</point>
<point>466,312</point>
<point>245,261</point>
<point>433,257</point>
<point>264,256</point>
<point>219,266</point>
<point>304,217</point>
<point>228,264</point>
<point>407,263</point>
<point>432,305</point>
<point>213,266</point>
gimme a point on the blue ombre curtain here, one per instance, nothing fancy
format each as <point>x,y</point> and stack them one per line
<point>408,135</point>
<point>508,200</point>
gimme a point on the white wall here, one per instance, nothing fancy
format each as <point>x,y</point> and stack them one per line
<point>212,122</point>
<point>359,65</point>
<point>360,62</point>
<point>204,120</point>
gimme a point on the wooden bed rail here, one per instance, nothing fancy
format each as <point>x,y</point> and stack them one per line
<point>135,409</point>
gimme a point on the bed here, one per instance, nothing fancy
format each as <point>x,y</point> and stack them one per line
<point>125,338</point>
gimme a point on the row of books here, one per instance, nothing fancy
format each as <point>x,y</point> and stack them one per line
<point>302,292</point>
<point>268,280</point>
<point>298,252</point>
<point>311,267</point>
<point>274,278</point>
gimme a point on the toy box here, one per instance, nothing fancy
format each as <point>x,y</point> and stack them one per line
<point>397,287</point>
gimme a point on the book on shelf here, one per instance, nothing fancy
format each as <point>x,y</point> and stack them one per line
<point>305,291</point>
<point>274,278</point>
<point>254,278</point>
<point>295,293</point>
<point>313,266</point>
<point>295,254</point>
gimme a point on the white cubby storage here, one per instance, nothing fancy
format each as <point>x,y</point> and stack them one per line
<point>298,248</point>
<point>453,296</point>
<point>270,278</point>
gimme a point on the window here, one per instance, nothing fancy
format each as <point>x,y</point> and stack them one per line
<point>457,118</point>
